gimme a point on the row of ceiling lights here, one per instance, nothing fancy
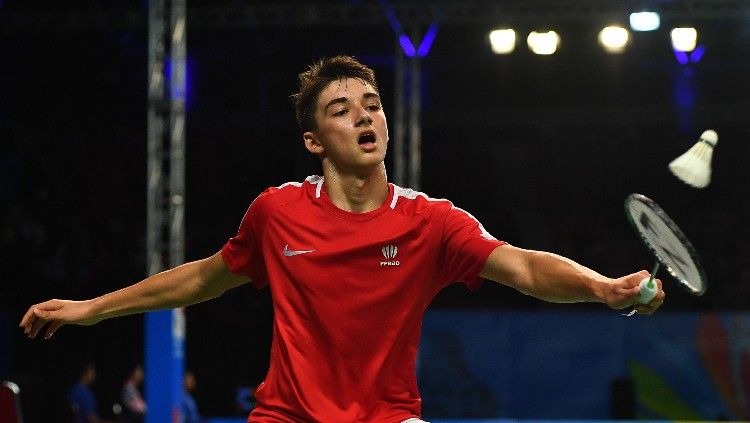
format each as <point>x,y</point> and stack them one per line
<point>613,39</point>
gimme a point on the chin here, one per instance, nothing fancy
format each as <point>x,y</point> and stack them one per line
<point>376,158</point>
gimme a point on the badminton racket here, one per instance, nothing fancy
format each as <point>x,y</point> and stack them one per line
<point>669,245</point>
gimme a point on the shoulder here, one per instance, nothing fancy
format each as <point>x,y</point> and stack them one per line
<point>289,192</point>
<point>412,202</point>
<point>434,210</point>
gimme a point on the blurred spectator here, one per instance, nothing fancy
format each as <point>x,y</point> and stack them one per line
<point>81,399</point>
<point>190,412</point>
<point>133,405</point>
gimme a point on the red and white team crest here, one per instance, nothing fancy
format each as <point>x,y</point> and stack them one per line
<point>389,252</point>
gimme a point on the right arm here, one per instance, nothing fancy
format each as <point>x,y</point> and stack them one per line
<point>183,285</point>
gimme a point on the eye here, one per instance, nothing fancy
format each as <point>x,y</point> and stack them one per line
<point>341,112</point>
<point>373,107</point>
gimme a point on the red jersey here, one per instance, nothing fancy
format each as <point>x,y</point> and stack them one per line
<point>349,292</point>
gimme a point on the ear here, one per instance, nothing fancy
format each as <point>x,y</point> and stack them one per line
<point>312,143</point>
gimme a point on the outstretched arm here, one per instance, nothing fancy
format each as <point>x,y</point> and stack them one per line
<point>551,277</point>
<point>183,285</point>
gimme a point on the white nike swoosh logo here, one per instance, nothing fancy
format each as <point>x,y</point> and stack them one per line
<point>289,253</point>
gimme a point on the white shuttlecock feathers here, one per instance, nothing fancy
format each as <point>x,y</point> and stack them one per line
<point>694,167</point>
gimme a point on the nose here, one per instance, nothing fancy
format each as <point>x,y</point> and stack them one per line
<point>364,118</point>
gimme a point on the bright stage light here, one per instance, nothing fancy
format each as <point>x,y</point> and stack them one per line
<point>503,41</point>
<point>614,39</point>
<point>684,39</point>
<point>644,21</point>
<point>544,43</point>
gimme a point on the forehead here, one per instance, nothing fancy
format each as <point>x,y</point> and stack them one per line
<point>344,87</point>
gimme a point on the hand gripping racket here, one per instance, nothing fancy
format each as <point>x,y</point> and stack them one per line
<point>668,244</point>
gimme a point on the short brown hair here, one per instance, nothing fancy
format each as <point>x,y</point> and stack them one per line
<point>318,76</point>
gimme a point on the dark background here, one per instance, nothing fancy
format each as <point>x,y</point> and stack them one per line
<point>542,150</point>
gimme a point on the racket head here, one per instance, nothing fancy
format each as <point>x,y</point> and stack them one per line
<point>664,239</point>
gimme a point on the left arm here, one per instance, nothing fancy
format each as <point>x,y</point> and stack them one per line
<point>554,278</point>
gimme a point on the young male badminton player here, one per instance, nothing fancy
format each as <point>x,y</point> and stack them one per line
<point>352,262</point>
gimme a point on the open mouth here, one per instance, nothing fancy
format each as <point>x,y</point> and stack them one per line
<point>366,138</point>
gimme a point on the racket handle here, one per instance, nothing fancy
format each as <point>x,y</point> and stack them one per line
<point>648,290</point>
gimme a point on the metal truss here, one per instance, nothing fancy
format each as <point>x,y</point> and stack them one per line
<point>285,14</point>
<point>164,331</point>
<point>455,12</point>
<point>165,235</point>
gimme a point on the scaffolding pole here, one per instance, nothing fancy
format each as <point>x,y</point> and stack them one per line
<point>415,124</point>
<point>165,232</point>
<point>407,142</point>
<point>399,152</point>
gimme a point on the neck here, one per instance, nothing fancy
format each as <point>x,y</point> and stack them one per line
<point>356,193</point>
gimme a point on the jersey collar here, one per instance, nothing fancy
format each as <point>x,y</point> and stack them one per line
<point>328,205</point>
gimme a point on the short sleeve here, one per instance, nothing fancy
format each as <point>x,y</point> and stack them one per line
<point>466,246</point>
<point>242,253</point>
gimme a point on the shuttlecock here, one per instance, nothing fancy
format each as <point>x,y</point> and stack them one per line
<point>694,167</point>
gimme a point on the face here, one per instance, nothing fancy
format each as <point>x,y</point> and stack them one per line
<point>138,375</point>
<point>90,375</point>
<point>189,381</point>
<point>352,132</point>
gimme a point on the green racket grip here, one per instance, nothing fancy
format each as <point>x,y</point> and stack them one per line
<point>647,290</point>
